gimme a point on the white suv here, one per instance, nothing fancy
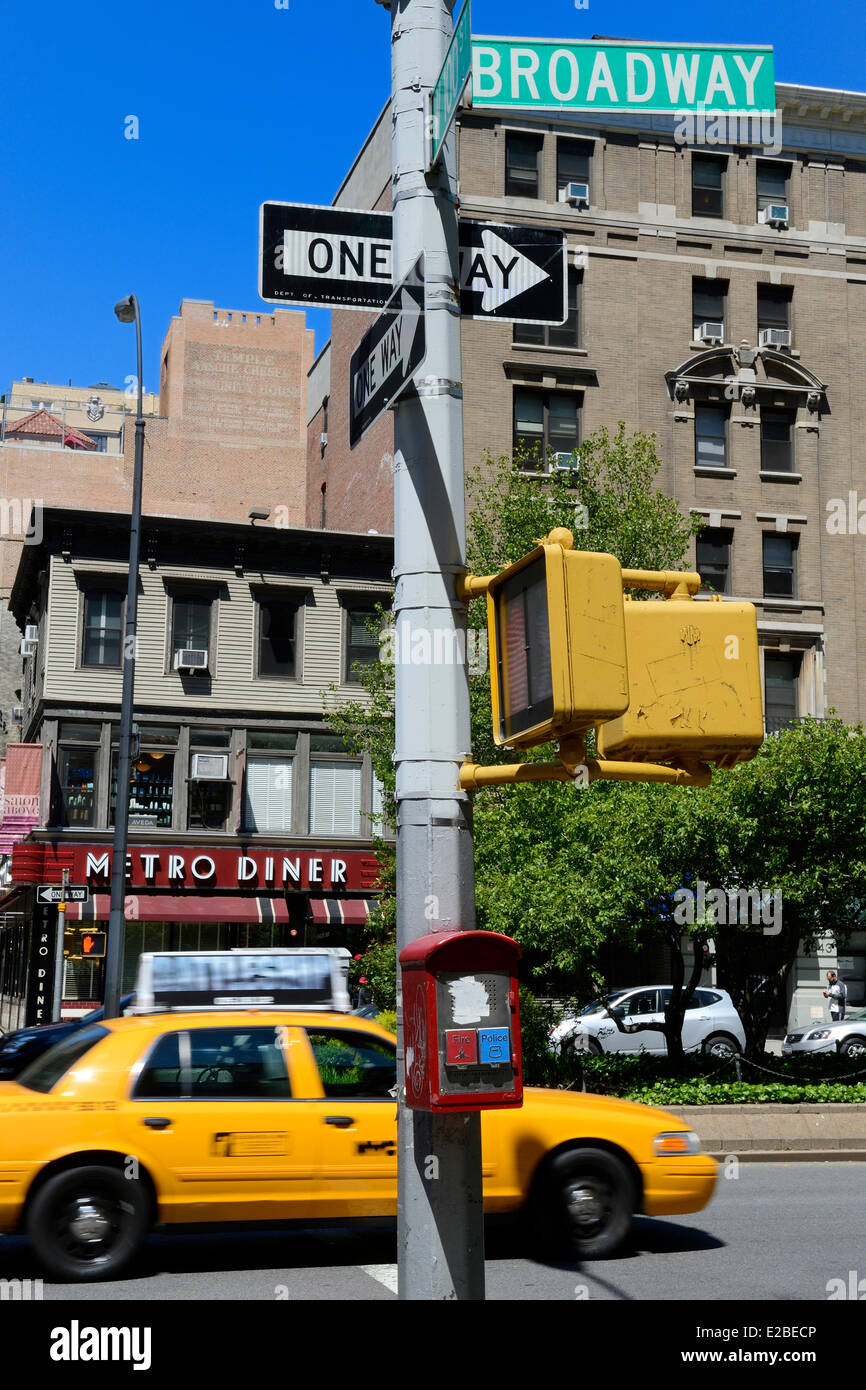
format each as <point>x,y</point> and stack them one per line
<point>711,1024</point>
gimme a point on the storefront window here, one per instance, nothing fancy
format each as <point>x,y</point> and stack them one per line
<point>76,771</point>
<point>151,782</point>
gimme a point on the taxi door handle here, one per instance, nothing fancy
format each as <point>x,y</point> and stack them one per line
<point>340,1121</point>
<point>157,1122</point>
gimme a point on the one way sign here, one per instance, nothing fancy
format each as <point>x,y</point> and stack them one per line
<point>517,274</point>
<point>388,355</point>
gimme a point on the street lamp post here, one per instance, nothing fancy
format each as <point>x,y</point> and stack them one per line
<point>127,311</point>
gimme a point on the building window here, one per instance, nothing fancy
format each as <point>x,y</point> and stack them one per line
<point>103,627</point>
<point>777,441</point>
<point>278,623</point>
<point>572,163</point>
<point>335,788</point>
<point>191,625</point>
<point>781,678</point>
<point>561,335</point>
<point>362,645</point>
<point>774,306</point>
<point>210,796</point>
<point>521,165</point>
<point>711,428</point>
<point>708,186</point>
<point>545,422</point>
<point>151,780</point>
<point>709,302</point>
<point>772,184</point>
<point>76,773</point>
<point>100,440</point>
<point>269,780</point>
<point>779,576</point>
<point>713,559</point>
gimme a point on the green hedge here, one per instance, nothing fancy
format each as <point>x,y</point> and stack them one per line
<point>698,1080</point>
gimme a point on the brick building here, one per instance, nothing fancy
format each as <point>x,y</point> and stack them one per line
<point>741,342</point>
<point>718,299</point>
<point>227,432</point>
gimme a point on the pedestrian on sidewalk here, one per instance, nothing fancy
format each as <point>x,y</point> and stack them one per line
<point>837,994</point>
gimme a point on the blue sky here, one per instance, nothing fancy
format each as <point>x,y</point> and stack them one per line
<point>239,101</point>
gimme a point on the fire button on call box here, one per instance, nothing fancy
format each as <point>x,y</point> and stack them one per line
<point>461,1046</point>
<point>494,1045</point>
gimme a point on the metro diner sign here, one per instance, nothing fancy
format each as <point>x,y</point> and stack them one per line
<point>578,75</point>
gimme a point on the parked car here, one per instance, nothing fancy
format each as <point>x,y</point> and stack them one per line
<point>847,1037</point>
<point>711,1024</point>
<point>21,1047</point>
<point>240,1116</point>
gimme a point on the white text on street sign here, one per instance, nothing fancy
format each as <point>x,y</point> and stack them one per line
<point>579,75</point>
<point>451,81</point>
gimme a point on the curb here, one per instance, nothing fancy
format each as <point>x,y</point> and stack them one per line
<point>773,1132</point>
<point>790,1155</point>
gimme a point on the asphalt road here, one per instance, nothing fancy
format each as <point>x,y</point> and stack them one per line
<point>774,1232</point>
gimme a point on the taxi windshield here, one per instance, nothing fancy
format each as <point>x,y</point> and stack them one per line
<point>44,1073</point>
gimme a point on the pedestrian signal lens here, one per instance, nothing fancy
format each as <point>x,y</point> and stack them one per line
<point>524,653</point>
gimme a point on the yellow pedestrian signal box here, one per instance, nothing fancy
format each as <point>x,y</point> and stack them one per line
<point>557,643</point>
<point>695,684</point>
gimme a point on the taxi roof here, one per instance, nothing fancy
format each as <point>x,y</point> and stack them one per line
<point>171,1019</point>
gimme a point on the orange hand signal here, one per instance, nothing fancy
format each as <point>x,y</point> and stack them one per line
<point>87,945</point>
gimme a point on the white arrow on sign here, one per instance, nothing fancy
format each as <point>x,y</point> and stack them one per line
<point>500,271</point>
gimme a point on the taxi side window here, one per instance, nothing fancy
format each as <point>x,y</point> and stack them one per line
<point>353,1064</point>
<point>216,1064</point>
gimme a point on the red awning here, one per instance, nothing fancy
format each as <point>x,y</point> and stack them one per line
<point>333,912</point>
<point>192,907</point>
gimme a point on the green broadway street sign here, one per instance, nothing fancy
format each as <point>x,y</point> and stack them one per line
<point>573,75</point>
<point>450,83</point>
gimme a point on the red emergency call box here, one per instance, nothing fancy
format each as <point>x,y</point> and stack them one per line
<point>461,1021</point>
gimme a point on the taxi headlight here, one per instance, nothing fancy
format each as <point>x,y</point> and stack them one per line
<point>819,1033</point>
<point>676,1142</point>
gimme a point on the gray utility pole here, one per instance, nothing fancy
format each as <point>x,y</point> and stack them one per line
<point>440,1226</point>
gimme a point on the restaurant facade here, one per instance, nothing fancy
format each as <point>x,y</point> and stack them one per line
<point>251,822</point>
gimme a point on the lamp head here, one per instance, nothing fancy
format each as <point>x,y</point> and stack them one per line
<point>125,309</point>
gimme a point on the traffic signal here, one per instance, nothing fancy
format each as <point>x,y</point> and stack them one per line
<point>557,643</point>
<point>694,684</point>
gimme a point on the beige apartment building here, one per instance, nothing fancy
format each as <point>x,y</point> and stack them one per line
<point>717,299</point>
<point>226,433</point>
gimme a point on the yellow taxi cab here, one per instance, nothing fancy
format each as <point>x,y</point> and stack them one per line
<point>243,1115</point>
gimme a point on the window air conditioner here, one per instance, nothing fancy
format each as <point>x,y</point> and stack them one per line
<point>713,333</point>
<point>323,439</point>
<point>190,659</point>
<point>17,714</point>
<point>27,647</point>
<point>209,767</point>
<point>774,215</point>
<point>575,194</point>
<point>566,463</point>
<point>31,633</point>
<point>774,337</point>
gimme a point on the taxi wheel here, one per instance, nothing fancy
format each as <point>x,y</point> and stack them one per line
<point>87,1223</point>
<point>585,1207</point>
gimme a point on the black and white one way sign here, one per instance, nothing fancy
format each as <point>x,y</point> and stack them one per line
<point>340,258</point>
<point>333,257</point>
<point>518,274</point>
<point>388,355</point>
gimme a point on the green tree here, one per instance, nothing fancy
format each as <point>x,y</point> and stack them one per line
<point>611,505</point>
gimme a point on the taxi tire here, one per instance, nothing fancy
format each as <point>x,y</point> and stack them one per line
<point>101,1193</point>
<point>592,1178</point>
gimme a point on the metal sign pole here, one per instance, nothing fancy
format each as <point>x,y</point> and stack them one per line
<point>57,1006</point>
<point>440,1226</point>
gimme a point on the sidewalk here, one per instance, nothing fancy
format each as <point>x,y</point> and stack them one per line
<point>771,1132</point>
